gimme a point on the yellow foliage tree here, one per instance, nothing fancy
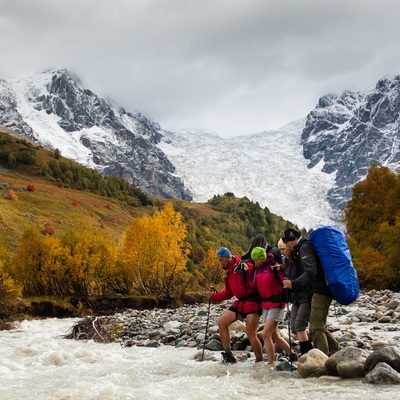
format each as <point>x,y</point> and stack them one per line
<point>39,265</point>
<point>213,274</point>
<point>155,254</point>
<point>9,290</point>
<point>90,263</point>
<point>26,266</point>
<point>372,218</point>
<point>82,262</point>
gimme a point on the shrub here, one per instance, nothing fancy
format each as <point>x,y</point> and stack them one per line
<point>49,230</point>
<point>31,188</point>
<point>12,195</point>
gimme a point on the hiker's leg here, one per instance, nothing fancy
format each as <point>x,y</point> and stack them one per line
<point>319,313</point>
<point>223,323</point>
<point>252,322</point>
<point>268,331</point>
<point>280,341</point>
<point>301,325</point>
<point>333,344</point>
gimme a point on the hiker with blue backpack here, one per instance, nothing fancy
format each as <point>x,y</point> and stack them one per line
<point>300,299</point>
<point>238,282</point>
<point>305,257</point>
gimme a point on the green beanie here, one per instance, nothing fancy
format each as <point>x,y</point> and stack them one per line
<point>258,253</point>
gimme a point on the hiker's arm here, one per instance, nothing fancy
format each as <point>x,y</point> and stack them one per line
<point>222,295</point>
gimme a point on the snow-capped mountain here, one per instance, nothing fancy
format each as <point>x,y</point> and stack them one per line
<point>304,171</point>
<point>267,167</point>
<point>350,131</point>
<point>54,110</point>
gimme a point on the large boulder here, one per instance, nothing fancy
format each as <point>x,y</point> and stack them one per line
<point>382,374</point>
<point>348,362</point>
<point>313,364</point>
<point>388,354</point>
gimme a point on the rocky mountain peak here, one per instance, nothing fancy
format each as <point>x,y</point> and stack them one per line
<point>54,110</point>
<point>351,131</point>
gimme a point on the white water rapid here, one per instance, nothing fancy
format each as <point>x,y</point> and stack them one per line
<point>37,363</point>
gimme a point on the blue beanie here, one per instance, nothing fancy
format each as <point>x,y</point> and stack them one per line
<point>224,252</point>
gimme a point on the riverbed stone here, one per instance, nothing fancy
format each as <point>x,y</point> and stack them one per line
<point>348,362</point>
<point>313,364</point>
<point>382,374</point>
<point>387,354</point>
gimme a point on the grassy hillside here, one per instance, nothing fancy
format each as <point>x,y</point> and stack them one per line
<point>108,203</point>
<point>61,208</point>
<point>57,206</point>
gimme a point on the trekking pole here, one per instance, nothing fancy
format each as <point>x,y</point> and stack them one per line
<point>289,331</point>
<point>208,320</point>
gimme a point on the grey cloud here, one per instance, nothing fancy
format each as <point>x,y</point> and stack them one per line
<point>229,66</point>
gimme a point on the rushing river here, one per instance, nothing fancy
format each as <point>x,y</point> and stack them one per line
<point>37,363</point>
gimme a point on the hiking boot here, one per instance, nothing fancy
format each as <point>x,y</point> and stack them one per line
<point>289,357</point>
<point>228,358</point>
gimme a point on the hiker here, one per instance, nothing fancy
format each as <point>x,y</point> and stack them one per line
<point>300,299</point>
<point>258,241</point>
<point>238,278</point>
<point>268,278</point>
<point>304,255</point>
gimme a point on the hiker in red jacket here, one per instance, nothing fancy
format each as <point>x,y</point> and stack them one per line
<point>238,278</point>
<point>268,278</point>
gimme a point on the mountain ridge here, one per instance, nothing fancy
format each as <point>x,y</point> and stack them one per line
<point>53,110</point>
<point>304,171</point>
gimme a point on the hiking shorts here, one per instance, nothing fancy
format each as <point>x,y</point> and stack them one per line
<point>300,316</point>
<point>273,314</point>
<point>245,307</point>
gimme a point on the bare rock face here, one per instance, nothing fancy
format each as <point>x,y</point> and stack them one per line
<point>115,141</point>
<point>349,132</point>
<point>348,362</point>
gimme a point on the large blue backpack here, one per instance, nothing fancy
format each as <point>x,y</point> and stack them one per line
<point>333,252</point>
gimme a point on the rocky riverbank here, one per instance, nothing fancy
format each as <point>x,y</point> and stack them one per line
<point>369,324</point>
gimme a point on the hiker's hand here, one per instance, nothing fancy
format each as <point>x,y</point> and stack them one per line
<point>287,283</point>
<point>241,268</point>
<point>276,266</point>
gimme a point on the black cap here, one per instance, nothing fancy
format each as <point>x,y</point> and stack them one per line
<point>290,234</point>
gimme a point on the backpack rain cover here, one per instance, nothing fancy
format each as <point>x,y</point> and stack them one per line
<point>331,246</point>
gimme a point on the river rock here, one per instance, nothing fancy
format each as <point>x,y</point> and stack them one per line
<point>348,362</point>
<point>313,364</point>
<point>388,354</point>
<point>382,374</point>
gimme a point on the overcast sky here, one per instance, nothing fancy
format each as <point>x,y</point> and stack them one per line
<point>226,66</point>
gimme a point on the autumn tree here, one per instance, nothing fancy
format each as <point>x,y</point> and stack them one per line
<point>90,261</point>
<point>372,218</point>
<point>81,262</point>
<point>27,263</point>
<point>211,271</point>
<point>9,290</point>
<point>155,254</point>
<point>39,265</point>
